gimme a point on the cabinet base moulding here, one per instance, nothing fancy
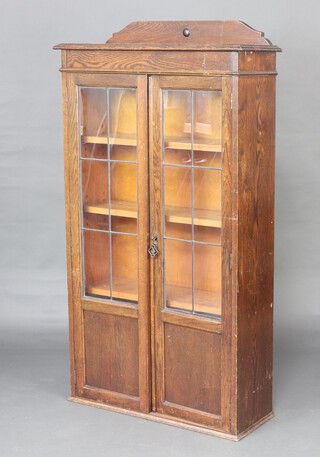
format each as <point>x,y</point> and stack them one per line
<point>156,417</point>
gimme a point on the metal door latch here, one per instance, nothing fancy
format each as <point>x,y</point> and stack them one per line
<point>153,249</point>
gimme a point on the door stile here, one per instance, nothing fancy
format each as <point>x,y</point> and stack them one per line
<point>229,236</point>
<point>156,217</point>
<point>65,84</point>
<point>143,238</point>
<point>75,234</point>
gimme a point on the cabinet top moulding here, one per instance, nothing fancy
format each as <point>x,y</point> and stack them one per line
<point>182,36</point>
<point>176,47</point>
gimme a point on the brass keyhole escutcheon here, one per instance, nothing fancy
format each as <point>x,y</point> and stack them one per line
<point>153,249</point>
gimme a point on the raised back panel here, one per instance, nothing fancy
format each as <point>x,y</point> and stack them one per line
<point>201,33</point>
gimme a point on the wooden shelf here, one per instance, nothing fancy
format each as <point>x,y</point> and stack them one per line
<point>208,145</point>
<point>177,297</point>
<point>122,288</point>
<point>202,217</point>
<point>206,301</point>
<point>128,140</point>
<point>118,208</point>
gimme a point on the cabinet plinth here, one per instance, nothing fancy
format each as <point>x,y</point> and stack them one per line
<point>169,172</point>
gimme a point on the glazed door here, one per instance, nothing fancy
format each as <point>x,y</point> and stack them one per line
<point>109,170</point>
<point>191,256</point>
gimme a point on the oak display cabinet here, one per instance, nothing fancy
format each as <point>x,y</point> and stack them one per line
<point>169,174</point>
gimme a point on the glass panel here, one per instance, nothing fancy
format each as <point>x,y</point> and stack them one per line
<point>207,128</point>
<point>96,263</point>
<point>203,110</point>
<point>124,267</point>
<point>109,192</point>
<point>123,120</point>
<point>124,224</point>
<point>203,158</point>
<point>178,202</point>
<point>93,122</point>
<point>207,204</point>
<point>192,197</point>
<point>95,194</point>
<point>178,274</point>
<point>124,197</point>
<point>207,279</point>
<point>177,126</point>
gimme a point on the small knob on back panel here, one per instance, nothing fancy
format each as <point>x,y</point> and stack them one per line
<point>186,33</point>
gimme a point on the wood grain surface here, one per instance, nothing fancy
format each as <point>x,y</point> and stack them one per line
<point>255,252</point>
<point>202,33</point>
<point>111,341</point>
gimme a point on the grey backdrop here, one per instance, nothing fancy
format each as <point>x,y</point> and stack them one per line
<point>35,419</point>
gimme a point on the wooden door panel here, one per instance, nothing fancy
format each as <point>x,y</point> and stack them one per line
<point>108,236</point>
<point>192,363</point>
<point>112,359</point>
<point>189,359</point>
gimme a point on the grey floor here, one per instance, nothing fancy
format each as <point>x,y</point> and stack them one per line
<point>37,420</point>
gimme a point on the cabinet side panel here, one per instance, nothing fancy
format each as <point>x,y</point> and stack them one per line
<point>257,61</point>
<point>256,239</point>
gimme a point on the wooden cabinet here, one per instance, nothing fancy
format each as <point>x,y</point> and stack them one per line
<point>169,172</point>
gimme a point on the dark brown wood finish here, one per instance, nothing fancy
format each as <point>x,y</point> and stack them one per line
<point>256,124</point>
<point>111,341</point>
<point>229,258</point>
<point>149,62</point>
<point>198,372</point>
<point>168,61</point>
<point>169,36</point>
<point>252,61</point>
<point>201,33</point>
<point>192,377</point>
